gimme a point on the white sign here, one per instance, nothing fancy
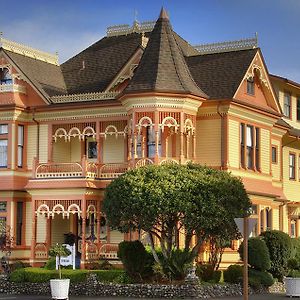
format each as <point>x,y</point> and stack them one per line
<point>67,260</point>
<point>240,224</point>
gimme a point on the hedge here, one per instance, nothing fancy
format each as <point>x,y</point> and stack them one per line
<point>233,274</point>
<point>38,275</point>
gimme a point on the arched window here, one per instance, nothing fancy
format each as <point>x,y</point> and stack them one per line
<point>5,76</point>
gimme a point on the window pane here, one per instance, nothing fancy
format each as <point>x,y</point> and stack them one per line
<point>151,142</point>
<point>298,109</point>
<point>92,150</point>
<point>20,156</point>
<point>274,155</point>
<point>3,206</point>
<point>3,153</point>
<point>19,223</point>
<point>20,135</point>
<point>292,166</point>
<point>242,144</point>
<point>250,86</point>
<point>257,147</point>
<point>287,105</point>
<point>249,136</point>
<point>3,129</point>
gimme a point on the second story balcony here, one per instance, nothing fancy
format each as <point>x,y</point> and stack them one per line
<point>91,170</point>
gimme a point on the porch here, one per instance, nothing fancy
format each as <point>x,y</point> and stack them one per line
<point>78,222</point>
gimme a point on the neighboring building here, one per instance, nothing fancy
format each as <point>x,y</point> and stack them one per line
<point>140,95</point>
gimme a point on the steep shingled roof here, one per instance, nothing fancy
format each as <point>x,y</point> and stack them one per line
<point>162,67</point>
<point>220,74</point>
<point>46,77</point>
<point>95,67</point>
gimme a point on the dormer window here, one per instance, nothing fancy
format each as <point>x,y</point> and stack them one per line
<point>250,86</point>
<point>5,76</point>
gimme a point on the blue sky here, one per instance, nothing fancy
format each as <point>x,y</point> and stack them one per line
<point>68,26</point>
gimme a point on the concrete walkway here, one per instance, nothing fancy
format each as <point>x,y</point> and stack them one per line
<point>256,297</point>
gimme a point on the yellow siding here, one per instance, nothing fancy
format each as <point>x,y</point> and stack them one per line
<point>208,145</point>
<point>43,143</point>
<point>291,188</point>
<point>116,236</point>
<point>265,151</point>
<point>229,258</point>
<point>275,218</point>
<point>276,167</point>
<point>113,149</point>
<point>234,146</point>
<point>59,227</point>
<point>41,229</point>
<point>75,150</point>
<point>61,151</point>
<point>31,145</point>
<point>28,224</point>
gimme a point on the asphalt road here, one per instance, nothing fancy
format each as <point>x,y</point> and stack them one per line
<point>256,297</point>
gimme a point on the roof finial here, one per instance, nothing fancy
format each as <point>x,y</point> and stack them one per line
<point>163,14</point>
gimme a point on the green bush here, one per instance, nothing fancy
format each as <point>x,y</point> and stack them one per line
<point>38,275</point>
<point>296,249</point>
<point>50,264</point>
<point>217,276</point>
<point>258,254</point>
<point>280,250</point>
<point>17,276</point>
<point>262,277</point>
<point>293,264</point>
<point>254,282</point>
<point>233,274</point>
<point>294,273</point>
<point>108,275</point>
<point>205,272</point>
<point>133,256</point>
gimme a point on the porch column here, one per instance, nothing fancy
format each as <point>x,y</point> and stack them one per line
<point>156,130</point>
<point>187,146</point>
<point>194,146</point>
<point>50,143</point>
<point>99,141</point>
<point>83,243</point>
<point>33,237</point>
<point>98,222</point>
<point>134,145</point>
<point>48,233</point>
<point>181,157</point>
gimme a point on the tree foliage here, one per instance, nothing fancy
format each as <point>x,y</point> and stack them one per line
<point>160,200</point>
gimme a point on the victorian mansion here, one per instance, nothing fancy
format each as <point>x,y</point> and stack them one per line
<point>140,95</point>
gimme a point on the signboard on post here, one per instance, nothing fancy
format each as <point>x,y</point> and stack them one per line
<point>67,260</point>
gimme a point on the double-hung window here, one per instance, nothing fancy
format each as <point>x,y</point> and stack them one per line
<point>287,105</point>
<point>3,153</point>
<point>249,146</point>
<point>292,163</point>
<point>3,129</point>
<point>274,154</point>
<point>20,145</point>
<point>250,86</point>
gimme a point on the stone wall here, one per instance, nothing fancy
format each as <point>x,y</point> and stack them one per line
<point>92,287</point>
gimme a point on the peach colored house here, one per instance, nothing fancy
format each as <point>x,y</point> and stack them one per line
<point>140,95</point>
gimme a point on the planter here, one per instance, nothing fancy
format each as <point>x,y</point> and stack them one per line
<point>60,288</point>
<point>292,286</point>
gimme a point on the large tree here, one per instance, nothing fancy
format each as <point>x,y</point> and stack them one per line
<point>160,200</point>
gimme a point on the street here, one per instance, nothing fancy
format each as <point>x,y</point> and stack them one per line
<point>23,297</point>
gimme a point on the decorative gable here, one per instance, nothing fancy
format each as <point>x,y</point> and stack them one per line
<point>256,88</point>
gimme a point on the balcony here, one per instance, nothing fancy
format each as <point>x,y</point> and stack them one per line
<point>12,88</point>
<point>91,170</point>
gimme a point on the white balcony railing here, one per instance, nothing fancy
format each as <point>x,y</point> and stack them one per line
<point>12,88</point>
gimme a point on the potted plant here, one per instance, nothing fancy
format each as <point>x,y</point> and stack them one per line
<point>59,287</point>
<point>292,281</point>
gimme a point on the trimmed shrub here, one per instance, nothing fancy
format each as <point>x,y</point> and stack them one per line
<point>262,277</point>
<point>258,254</point>
<point>293,264</point>
<point>17,276</point>
<point>233,274</point>
<point>205,272</point>
<point>217,276</point>
<point>38,275</point>
<point>108,275</point>
<point>296,249</point>
<point>50,264</point>
<point>280,250</point>
<point>133,256</point>
<point>294,273</point>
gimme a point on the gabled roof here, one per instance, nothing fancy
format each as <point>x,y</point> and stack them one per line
<point>220,74</point>
<point>162,67</point>
<point>285,80</point>
<point>95,67</point>
<point>46,77</point>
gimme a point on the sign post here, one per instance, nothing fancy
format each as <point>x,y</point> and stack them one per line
<point>245,225</point>
<point>67,260</point>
